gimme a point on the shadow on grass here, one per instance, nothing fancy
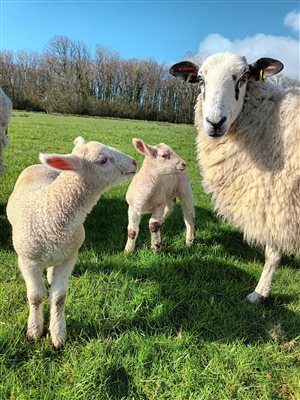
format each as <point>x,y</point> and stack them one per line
<point>197,290</point>
<point>119,383</point>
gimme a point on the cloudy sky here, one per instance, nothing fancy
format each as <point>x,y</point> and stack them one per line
<point>166,31</point>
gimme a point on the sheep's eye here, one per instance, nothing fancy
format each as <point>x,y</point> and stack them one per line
<point>243,80</point>
<point>165,156</point>
<point>103,160</point>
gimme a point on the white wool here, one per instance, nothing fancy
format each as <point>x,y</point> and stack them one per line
<point>154,189</point>
<point>253,170</point>
<point>47,209</point>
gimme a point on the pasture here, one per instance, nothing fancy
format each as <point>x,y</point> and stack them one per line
<point>173,325</point>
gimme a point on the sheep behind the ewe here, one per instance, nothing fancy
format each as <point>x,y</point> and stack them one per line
<point>249,150</point>
<point>46,209</point>
<point>5,115</point>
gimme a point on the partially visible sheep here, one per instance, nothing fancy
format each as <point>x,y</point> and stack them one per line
<point>154,189</point>
<point>47,209</point>
<point>5,114</point>
<point>249,150</point>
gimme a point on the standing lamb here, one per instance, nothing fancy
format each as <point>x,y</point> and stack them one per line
<point>47,209</point>
<point>154,189</point>
<point>5,114</point>
<point>248,150</point>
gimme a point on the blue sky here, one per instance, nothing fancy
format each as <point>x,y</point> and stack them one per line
<point>160,30</point>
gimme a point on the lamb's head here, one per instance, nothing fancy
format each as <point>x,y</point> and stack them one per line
<point>103,165</point>
<point>161,158</point>
<point>223,81</point>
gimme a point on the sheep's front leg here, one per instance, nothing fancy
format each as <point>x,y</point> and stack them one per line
<point>36,292</point>
<point>261,292</point>
<point>58,293</point>
<point>155,224</point>
<point>134,219</point>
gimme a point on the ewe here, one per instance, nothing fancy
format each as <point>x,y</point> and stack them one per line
<point>47,209</point>
<point>154,189</point>
<point>248,150</point>
<point>5,114</point>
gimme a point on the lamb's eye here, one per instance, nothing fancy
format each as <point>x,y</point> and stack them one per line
<point>103,160</point>
<point>165,156</point>
<point>200,80</point>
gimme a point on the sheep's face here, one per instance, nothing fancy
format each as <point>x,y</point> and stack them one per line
<point>223,81</point>
<point>163,159</point>
<point>100,164</point>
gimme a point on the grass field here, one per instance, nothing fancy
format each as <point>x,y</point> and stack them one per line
<point>169,326</point>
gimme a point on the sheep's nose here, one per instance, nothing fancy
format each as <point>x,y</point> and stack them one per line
<point>216,125</point>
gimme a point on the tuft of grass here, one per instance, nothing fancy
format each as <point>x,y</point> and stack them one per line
<point>173,325</point>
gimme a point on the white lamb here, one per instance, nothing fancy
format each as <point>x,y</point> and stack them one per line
<point>47,209</point>
<point>154,189</point>
<point>5,114</point>
<point>249,150</point>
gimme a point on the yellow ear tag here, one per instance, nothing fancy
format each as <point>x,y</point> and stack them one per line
<point>261,76</point>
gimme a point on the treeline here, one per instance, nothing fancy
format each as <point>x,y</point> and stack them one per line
<point>65,78</point>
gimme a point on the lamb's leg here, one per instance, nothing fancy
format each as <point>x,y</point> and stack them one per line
<point>134,220</point>
<point>57,296</point>
<point>169,208</point>
<point>36,292</point>
<point>185,195</point>
<point>261,292</point>
<point>50,275</point>
<point>155,224</point>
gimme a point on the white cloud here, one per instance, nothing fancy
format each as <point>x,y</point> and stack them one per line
<point>292,21</point>
<point>283,48</point>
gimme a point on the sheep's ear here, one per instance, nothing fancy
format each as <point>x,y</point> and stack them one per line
<point>61,162</point>
<point>265,67</point>
<point>79,141</point>
<point>185,70</point>
<point>144,148</point>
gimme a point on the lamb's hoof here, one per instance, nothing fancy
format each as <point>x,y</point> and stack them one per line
<point>33,335</point>
<point>156,247</point>
<point>189,242</point>
<point>256,297</point>
<point>128,250</point>
<point>35,331</point>
<point>58,337</point>
<point>58,341</point>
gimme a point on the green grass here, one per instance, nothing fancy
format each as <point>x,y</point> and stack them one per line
<point>143,326</point>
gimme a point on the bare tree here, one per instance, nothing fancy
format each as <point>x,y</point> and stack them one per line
<point>65,78</point>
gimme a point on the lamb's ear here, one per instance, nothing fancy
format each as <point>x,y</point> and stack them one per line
<point>144,148</point>
<point>79,141</point>
<point>264,67</point>
<point>61,162</point>
<point>185,70</point>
